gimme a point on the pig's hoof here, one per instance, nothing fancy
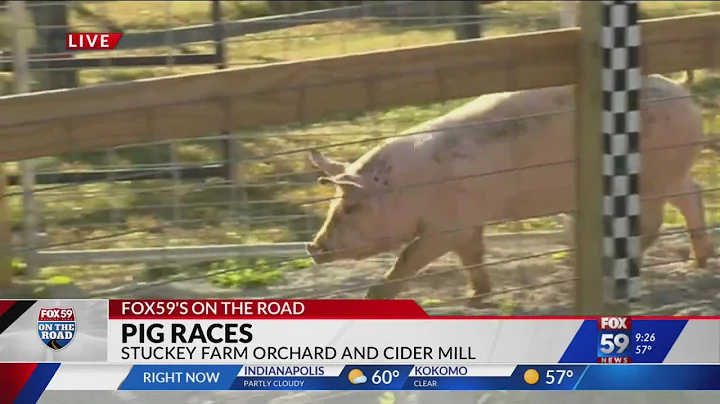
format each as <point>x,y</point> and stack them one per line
<point>701,262</point>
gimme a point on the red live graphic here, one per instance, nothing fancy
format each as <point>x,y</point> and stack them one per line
<point>92,40</point>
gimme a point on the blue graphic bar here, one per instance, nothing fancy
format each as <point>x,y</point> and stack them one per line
<point>383,377</point>
<point>646,341</point>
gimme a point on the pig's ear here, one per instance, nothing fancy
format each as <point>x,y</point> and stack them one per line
<point>343,180</point>
<point>326,165</point>
<point>348,181</point>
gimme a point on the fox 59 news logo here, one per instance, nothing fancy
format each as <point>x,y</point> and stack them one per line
<point>56,327</point>
<point>614,343</point>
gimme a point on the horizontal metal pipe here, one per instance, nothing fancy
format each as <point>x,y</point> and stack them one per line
<point>221,252</point>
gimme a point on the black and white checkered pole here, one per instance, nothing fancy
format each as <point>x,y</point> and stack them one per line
<point>621,82</point>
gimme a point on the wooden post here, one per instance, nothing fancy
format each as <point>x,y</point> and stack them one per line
<point>51,22</point>
<point>22,82</point>
<point>470,26</point>
<point>229,145</point>
<point>232,152</point>
<point>51,27</point>
<point>588,151</point>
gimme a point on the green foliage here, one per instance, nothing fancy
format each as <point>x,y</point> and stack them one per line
<point>559,257</point>
<point>706,90</point>
<point>59,280</point>
<point>19,267</point>
<point>508,306</point>
<point>252,273</point>
<point>432,303</point>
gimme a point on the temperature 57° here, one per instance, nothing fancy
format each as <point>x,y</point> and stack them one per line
<point>642,349</point>
<point>556,376</point>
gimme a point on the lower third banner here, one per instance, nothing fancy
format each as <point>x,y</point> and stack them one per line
<point>25,382</point>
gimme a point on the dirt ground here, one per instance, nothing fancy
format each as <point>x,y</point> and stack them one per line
<point>539,285</point>
<point>672,287</point>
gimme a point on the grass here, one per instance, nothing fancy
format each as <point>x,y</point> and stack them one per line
<point>275,205</point>
<point>255,273</point>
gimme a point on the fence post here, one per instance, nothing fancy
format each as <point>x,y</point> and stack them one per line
<point>231,154</point>
<point>622,81</point>
<point>470,26</point>
<point>22,81</point>
<point>588,152</point>
<point>51,26</point>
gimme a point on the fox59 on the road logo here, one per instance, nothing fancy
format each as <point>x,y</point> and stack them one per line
<point>614,343</point>
<point>56,327</point>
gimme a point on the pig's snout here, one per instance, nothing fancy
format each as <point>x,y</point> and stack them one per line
<point>317,251</point>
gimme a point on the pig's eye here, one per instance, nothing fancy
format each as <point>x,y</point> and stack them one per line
<point>349,209</point>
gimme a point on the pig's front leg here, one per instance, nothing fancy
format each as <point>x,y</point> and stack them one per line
<point>416,256</point>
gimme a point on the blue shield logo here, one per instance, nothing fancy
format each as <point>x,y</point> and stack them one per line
<point>56,327</point>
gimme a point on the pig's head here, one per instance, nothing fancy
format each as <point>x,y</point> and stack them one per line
<point>355,222</point>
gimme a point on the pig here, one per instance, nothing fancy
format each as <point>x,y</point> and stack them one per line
<point>501,157</point>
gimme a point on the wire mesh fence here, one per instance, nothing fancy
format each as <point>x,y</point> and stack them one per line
<point>257,189</point>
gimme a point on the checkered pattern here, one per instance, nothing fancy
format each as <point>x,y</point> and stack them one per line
<point>621,83</point>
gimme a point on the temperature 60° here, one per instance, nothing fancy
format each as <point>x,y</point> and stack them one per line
<point>384,376</point>
<point>556,376</point>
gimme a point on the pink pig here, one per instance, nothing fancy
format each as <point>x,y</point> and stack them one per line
<point>501,157</point>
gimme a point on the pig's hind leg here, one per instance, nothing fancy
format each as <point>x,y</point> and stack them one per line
<point>416,256</point>
<point>472,257</point>
<point>651,221</point>
<point>688,200</point>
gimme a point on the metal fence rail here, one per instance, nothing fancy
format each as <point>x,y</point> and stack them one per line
<point>54,257</point>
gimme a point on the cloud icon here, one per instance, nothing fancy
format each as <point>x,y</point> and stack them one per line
<point>360,379</point>
<point>357,377</point>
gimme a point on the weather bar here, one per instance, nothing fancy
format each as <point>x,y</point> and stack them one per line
<point>411,377</point>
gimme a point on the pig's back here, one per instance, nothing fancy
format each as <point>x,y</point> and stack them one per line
<point>513,153</point>
<point>497,132</point>
<point>509,123</point>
